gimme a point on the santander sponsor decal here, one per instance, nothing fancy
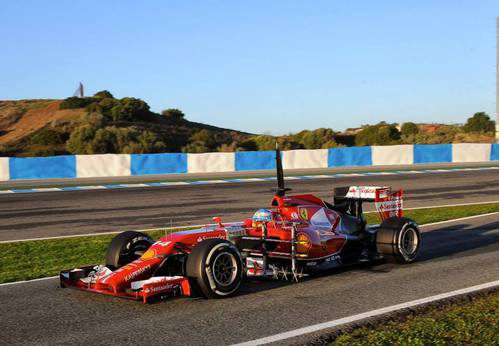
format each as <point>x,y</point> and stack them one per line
<point>389,204</point>
<point>166,287</point>
<point>393,205</point>
<point>368,192</point>
<point>204,237</point>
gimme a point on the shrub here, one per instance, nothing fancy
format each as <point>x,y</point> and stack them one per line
<point>129,109</point>
<point>95,120</point>
<point>148,142</point>
<point>112,139</point>
<point>479,122</point>
<point>173,114</point>
<point>41,151</point>
<point>409,129</point>
<point>94,107</point>
<point>444,134</point>
<point>46,137</point>
<point>103,106</point>
<point>195,147</point>
<point>380,134</point>
<point>267,142</point>
<point>203,139</point>
<point>103,94</point>
<point>315,139</point>
<point>105,141</point>
<point>247,145</point>
<point>76,102</point>
<point>79,140</point>
<point>332,144</point>
<point>106,104</point>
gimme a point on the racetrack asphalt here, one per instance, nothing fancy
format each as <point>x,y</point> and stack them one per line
<point>454,255</point>
<point>25,216</point>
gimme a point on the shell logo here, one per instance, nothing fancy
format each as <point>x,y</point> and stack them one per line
<point>303,243</point>
<point>148,254</point>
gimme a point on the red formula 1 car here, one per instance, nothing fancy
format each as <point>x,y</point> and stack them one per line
<point>297,235</point>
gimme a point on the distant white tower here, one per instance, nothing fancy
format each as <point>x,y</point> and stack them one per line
<point>80,91</point>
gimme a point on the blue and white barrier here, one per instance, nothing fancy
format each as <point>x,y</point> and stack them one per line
<point>494,155</point>
<point>471,152</point>
<point>350,156</point>
<point>392,155</point>
<point>294,159</point>
<point>254,160</point>
<point>211,162</point>
<point>4,168</point>
<point>432,153</point>
<point>114,165</point>
<point>106,165</point>
<point>42,167</point>
<point>167,163</point>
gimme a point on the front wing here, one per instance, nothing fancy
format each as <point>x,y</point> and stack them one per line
<point>145,290</point>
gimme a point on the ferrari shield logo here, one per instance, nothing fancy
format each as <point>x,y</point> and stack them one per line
<point>303,213</point>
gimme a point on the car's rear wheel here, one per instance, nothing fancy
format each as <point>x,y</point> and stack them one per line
<point>400,238</point>
<point>215,268</point>
<point>126,247</point>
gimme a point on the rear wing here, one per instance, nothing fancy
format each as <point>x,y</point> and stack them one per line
<point>388,203</point>
<point>363,193</point>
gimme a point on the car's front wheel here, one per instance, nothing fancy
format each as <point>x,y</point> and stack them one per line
<point>215,268</point>
<point>126,247</point>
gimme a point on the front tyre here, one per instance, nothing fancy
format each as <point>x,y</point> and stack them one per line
<point>126,247</point>
<point>215,268</point>
<point>400,238</point>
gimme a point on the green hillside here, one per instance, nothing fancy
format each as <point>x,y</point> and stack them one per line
<point>103,124</point>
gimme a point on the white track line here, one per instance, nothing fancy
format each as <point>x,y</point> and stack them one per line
<point>193,226</point>
<point>450,205</point>
<point>459,219</point>
<point>367,314</point>
<point>28,281</point>
<point>106,233</point>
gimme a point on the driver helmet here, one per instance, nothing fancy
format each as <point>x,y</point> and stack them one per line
<point>262,215</point>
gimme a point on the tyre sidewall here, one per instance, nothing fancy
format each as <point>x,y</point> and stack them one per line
<point>401,256</point>
<point>200,267</point>
<point>122,246</point>
<point>390,237</point>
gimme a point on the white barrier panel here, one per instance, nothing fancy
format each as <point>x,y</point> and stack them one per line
<point>303,158</point>
<point>393,155</point>
<point>106,165</point>
<point>4,168</point>
<point>471,152</point>
<point>211,162</point>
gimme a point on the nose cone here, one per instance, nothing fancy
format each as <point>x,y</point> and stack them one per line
<point>122,278</point>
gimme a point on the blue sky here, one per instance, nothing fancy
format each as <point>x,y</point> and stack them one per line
<point>260,66</point>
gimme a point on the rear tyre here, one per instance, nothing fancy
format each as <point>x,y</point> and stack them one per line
<point>214,268</point>
<point>126,247</point>
<point>400,238</point>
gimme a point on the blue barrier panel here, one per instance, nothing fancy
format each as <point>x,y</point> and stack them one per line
<point>158,163</point>
<point>350,156</point>
<point>494,152</point>
<point>430,153</point>
<point>42,167</point>
<point>255,160</point>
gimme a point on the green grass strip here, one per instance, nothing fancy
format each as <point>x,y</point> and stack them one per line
<point>471,323</point>
<point>40,258</point>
